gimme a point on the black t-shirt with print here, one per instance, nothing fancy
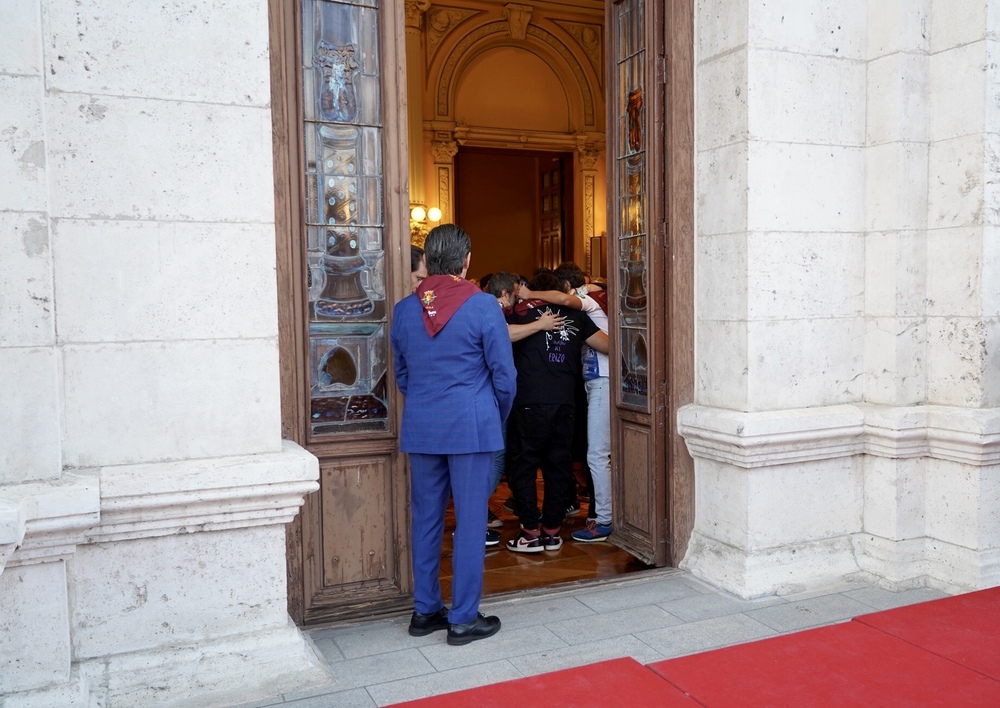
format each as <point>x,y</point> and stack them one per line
<point>548,363</point>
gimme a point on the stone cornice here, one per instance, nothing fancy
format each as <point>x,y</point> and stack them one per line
<point>750,440</point>
<point>139,501</point>
<point>44,519</point>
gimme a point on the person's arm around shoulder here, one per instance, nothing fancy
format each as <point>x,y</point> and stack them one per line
<point>546,323</point>
<point>599,341</point>
<point>554,297</point>
<point>594,337</point>
<point>499,359</point>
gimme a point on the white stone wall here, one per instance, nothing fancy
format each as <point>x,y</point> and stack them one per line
<point>845,273</point>
<point>140,416</point>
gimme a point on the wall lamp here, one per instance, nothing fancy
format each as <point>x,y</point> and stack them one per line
<point>422,220</point>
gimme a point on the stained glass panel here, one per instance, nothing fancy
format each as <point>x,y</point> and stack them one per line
<point>631,174</point>
<point>342,134</point>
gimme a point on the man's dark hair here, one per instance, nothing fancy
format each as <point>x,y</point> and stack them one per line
<point>416,253</point>
<point>446,248</point>
<point>571,273</point>
<point>484,281</point>
<point>502,281</point>
<point>545,279</point>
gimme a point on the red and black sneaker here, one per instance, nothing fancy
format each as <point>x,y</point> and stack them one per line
<point>525,543</point>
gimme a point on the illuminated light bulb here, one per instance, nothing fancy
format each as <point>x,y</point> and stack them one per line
<point>417,213</point>
<point>434,214</point>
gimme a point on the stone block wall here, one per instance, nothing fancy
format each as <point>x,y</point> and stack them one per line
<point>846,328</point>
<point>144,485</point>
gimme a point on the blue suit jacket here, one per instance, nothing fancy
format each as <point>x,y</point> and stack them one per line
<point>460,384</point>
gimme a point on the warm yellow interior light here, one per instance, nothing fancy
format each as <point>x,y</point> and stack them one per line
<point>417,213</point>
<point>434,214</point>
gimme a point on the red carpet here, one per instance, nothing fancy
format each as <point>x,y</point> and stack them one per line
<point>842,665</point>
<point>964,628</point>
<point>940,653</point>
<point>619,682</point>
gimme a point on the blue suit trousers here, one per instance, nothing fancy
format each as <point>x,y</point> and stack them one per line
<point>468,479</point>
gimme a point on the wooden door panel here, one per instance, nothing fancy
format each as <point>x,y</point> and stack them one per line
<point>636,497</point>
<point>637,265</point>
<point>356,530</point>
<point>551,216</point>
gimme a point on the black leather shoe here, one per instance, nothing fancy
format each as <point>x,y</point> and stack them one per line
<point>479,628</point>
<point>422,625</point>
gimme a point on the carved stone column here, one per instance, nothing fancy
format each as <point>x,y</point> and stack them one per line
<point>444,171</point>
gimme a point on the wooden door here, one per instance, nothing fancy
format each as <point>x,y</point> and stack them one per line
<point>551,221</point>
<point>339,147</point>
<point>650,240</point>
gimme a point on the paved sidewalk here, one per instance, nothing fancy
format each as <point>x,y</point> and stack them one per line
<point>651,616</point>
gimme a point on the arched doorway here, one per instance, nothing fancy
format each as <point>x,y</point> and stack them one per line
<point>348,550</point>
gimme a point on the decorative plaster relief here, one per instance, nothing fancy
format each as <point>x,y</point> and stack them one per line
<point>444,152</point>
<point>518,17</point>
<point>440,21</point>
<point>588,218</point>
<point>574,64</point>
<point>415,10</point>
<point>589,158</point>
<point>444,191</point>
<point>590,39</point>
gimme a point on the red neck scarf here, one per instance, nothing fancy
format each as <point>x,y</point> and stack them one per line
<point>441,296</point>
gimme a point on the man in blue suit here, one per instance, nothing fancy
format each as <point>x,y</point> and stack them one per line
<point>454,364</point>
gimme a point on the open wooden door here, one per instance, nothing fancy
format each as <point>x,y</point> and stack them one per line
<point>650,242</point>
<point>338,114</point>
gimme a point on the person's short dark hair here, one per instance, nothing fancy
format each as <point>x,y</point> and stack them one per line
<point>446,247</point>
<point>416,253</point>
<point>502,281</point>
<point>484,281</point>
<point>544,279</point>
<point>571,273</point>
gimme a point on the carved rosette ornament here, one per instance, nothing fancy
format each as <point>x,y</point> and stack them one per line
<point>440,21</point>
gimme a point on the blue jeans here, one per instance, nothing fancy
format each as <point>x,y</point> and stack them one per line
<point>599,445</point>
<point>500,458</point>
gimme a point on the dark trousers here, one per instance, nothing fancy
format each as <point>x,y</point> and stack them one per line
<point>541,435</point>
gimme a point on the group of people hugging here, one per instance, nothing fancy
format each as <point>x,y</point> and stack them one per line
<point>490,374</point>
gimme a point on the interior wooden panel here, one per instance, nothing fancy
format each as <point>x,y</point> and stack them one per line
<point>357,532</point>
<point>637,503</point>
